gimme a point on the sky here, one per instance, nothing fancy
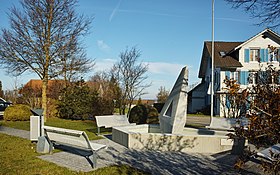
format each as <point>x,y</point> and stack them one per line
<point>169,33</point>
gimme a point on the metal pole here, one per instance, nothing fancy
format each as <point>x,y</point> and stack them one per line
<point>212,57</point>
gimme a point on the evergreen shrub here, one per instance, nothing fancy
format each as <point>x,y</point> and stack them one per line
<point>138,114</point>
<point>18,112</point>
<point>152,117</point>
<point>143,114</point>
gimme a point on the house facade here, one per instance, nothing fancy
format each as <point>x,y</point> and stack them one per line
<point>236,60</point>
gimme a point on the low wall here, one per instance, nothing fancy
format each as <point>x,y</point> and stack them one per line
<point>192,140</point>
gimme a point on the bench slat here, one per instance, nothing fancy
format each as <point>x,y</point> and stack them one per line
<point>63,131</point>
<point>109,121</point>
<point>73,138</point>
<point>97,146</point>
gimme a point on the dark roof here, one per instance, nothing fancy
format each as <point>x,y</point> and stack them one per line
<point>227,61</point>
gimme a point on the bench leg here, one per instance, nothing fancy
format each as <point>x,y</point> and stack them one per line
<point>98,130</point>
<point>44,145</point>
<point>93,160</point>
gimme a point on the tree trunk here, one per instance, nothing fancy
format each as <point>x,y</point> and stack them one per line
<point>44,97</point>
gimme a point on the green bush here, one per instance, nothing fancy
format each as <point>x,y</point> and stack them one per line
<point>138,114</point>
<point>18,112</point>
<point>143,114</point>
<point>152,117</point>
<point>78,101</point>
<point>158,106</point>
<point>75,101</point>
<point>52,108</point>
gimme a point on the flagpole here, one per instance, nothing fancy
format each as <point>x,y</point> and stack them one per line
<point>212,57</point>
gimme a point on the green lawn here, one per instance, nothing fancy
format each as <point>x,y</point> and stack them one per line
<point>198,115</point>
<point>88,126</point>
<point>22,159</point>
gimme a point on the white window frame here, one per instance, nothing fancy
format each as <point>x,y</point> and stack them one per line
<point>254,54</point>
<point>275,55</point>
<point>253,77</point>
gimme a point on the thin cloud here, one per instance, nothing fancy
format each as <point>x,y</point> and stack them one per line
<point>102,45</point>
<point>164,68</point>
<point>104,64</point>
<point>115,10</point>
<point>233,19</point>
<point>150,13</point>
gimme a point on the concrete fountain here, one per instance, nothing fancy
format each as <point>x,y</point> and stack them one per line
<point>171,134</point>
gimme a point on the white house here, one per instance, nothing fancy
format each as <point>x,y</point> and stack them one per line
<point>237,60</point>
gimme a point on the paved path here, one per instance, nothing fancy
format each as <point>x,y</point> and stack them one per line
<point>15,132</point>
<point>203,121</point>
<point>154,162</point>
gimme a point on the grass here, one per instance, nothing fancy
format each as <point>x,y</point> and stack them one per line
<point>23,160</point>
<point>198,115</point>
<point>87,125</point>
<point>24,125</point>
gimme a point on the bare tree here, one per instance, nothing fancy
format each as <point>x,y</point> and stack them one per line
<point>106,85</point>
<point>74,62</point>
<point>131,76</point>
<point>40,33</point>
<point>162,95</point>
<point>1,90</point>
<point>268,11</point>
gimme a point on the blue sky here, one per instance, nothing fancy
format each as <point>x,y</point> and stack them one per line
<point>169,33</point>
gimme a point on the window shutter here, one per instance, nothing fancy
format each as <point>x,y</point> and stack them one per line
<point>227,102</point>
<point>244,77</point>
<point>227,74</point>
<point>265,55</point>
<point>246,55</point>
<point>262,55</point>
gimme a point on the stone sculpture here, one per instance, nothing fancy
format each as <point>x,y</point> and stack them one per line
<point>173,115</point>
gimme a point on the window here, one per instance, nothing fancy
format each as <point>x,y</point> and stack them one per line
<point>236,76</point>
<point>274,55</point>
<point>232,75</point>
<point>254,54</point>
<point>263,77</point>
<point>253,78</point>
<point>217,77</point>
<point>222,54</point>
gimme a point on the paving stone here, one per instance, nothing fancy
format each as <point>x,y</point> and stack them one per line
<point>154,162</point>
<point>15,132</point>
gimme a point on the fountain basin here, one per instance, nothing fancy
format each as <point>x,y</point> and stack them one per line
<point>147,136</point>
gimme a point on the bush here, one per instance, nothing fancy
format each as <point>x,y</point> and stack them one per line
<point>52,108</point>
<point>18,112</point>
<point>152,117</point>
<point>102,106</point>
<point>138,114</point>
<point>260,103</point>
<point>143,114</point>
<point>78,101</point>
<point>158,106</point>
<point>75,101</point>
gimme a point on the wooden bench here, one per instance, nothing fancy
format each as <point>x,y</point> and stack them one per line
<point>68,138</point>
<point>109,121</point>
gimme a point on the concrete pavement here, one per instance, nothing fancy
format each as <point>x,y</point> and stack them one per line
<point>153,162</point>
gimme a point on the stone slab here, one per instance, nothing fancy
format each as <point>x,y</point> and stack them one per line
<point>173,115</point>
